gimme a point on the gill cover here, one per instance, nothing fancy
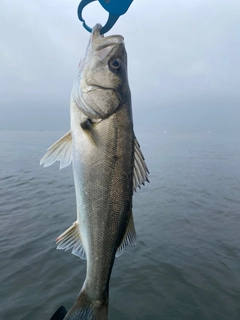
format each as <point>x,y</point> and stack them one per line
<point>98,89</point>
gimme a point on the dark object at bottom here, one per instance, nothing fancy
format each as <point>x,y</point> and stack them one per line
<point>59,314</point>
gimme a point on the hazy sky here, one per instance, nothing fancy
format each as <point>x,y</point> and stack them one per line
<point>183,56</point>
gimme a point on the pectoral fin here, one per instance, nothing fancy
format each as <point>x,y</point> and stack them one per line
<point>59,151</point>
<point>70,239</point>
<point>129,239</point>
<point>140,170</point>
<point>88,128</point>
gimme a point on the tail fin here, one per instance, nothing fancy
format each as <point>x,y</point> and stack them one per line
<point>84,308</point>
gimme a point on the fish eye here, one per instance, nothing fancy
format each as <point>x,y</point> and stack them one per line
<point>115,64</point>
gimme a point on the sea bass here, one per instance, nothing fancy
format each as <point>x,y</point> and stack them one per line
<point>108,166</point>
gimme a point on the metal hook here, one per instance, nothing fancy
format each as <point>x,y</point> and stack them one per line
<point>114,7</point>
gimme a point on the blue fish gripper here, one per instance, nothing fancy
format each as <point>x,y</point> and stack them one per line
<point>115,8</point>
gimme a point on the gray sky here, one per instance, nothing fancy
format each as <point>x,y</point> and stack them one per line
<point>183,56</point>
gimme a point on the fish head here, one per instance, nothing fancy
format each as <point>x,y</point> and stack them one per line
<point>102,83</point>
<point>106,60</point>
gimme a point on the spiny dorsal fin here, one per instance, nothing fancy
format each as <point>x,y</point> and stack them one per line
<point>129,239</point>
<point>61,151</point>
<point>70,239</point>
<point>140,170</point>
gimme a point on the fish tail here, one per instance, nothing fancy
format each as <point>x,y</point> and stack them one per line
<point>85,308</point>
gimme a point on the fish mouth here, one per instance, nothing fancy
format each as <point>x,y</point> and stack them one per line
<point>96,31</point>
<point>98,41</point>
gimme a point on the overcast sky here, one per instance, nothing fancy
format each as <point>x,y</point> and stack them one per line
<point>183,56</point>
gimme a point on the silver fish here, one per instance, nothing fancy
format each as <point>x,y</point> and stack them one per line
<point>108,166</point>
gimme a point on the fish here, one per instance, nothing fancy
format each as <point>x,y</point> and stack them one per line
<point>108,166</point>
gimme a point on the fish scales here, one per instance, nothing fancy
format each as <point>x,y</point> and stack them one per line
<point>106,173</point>
<point>108,166</point>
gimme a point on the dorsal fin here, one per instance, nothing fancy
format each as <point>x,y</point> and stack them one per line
<point>129,239</point>
<point>140,170</point>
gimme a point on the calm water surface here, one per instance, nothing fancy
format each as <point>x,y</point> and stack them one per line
<point>187,261</point>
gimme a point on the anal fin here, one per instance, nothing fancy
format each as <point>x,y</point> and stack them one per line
<point>129,239</point>
<point>70,239</point>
